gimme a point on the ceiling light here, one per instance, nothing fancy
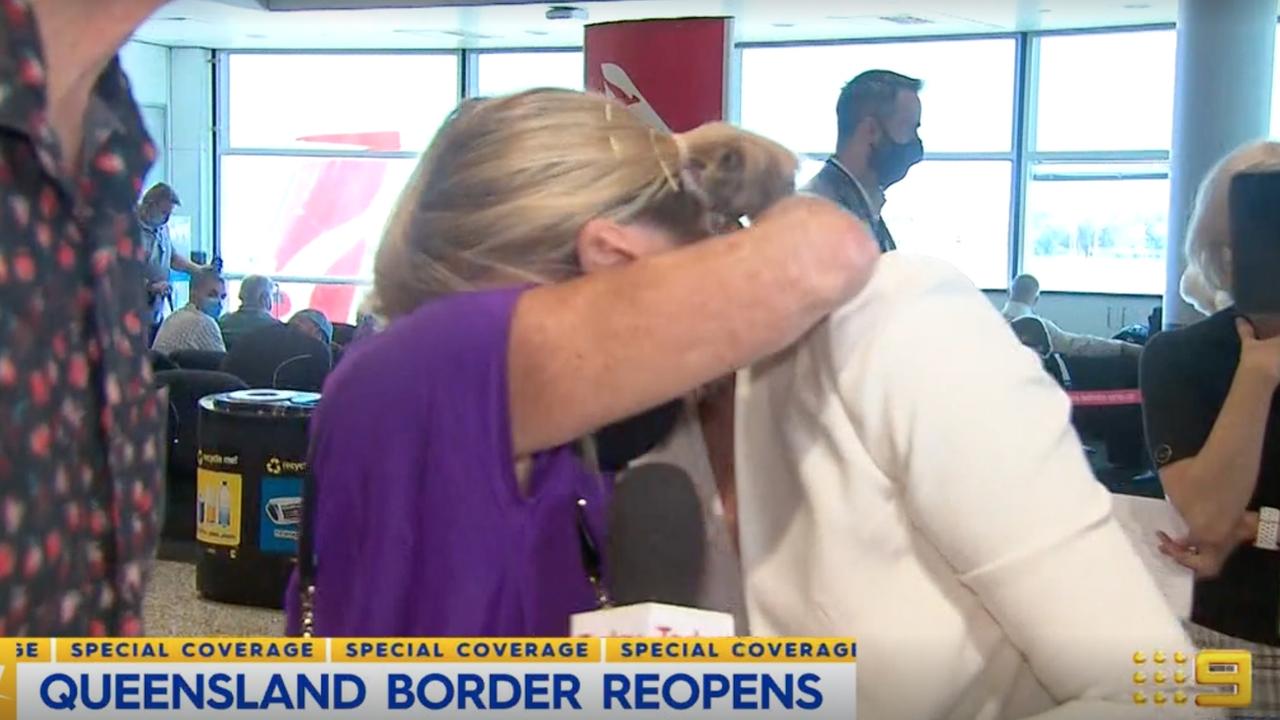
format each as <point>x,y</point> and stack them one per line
<point>566,12</point>
<point>1136,6</point>
<point>905,19</point>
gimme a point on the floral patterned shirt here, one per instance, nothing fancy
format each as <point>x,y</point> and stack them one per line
<point>81,426</point>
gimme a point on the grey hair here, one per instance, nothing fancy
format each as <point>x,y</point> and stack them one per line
<point>254,287</point>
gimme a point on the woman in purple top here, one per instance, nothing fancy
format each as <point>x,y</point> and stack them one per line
<point>541,281</point>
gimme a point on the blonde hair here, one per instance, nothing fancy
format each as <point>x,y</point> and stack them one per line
<point>503,191</point>
<point>1206,283</point>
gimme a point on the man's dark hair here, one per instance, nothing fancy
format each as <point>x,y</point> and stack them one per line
<point>202,278</point>
<point>871,94</point>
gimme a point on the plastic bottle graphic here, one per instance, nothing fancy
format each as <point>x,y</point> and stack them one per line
<point>200,506</point>
<point>224,505</point>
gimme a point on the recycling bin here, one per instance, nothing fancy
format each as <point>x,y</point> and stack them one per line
<point>251,467</point>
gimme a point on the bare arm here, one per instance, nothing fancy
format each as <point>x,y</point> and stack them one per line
<point>183,264</point>
<point>1078,345</point>
<point>1212,489</point>
<point>587,352</point>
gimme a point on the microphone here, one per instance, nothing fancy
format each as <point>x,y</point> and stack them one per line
<point>656,551</point>
<point>656,537</point>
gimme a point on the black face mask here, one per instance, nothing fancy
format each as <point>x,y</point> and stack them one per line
<point>626,440</point>
<point>891,160</point>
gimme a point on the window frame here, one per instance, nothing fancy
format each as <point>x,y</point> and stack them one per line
<point>1030,158</point>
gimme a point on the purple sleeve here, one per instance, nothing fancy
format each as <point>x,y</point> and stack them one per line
<point>411,450</point>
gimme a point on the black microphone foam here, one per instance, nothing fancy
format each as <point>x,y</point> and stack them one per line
<point>657,537</point>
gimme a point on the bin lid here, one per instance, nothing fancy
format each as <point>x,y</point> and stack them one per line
<point>263,401</point>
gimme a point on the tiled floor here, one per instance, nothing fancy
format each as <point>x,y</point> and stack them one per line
<point>173,608</point>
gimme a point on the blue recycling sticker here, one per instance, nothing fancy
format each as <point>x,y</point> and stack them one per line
<point>280,516</point>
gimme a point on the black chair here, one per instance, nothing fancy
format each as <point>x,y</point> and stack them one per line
<point>1119,427</point>
<point>281,358</point>
<point>186,387</point>
<point>1032,332</point>
<point>198,359</point>
<point>343,333</point>
<point>161,362</point>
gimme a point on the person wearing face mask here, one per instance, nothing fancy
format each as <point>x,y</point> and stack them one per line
<point>195,325</point>
<point>878,141</point>
<point>153,211</point>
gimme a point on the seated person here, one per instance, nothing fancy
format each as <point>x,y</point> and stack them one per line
<point>256,299</point>
<point>314,323</point>
<point>1024,293</point>
<point>879,495</point>
<point>195,326</point>
<point>1213,429</point>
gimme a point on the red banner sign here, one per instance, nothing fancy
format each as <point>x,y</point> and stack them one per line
<point>672,72</point>
<point>1104,398</point>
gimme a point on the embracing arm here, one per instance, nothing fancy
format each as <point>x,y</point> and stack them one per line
<point>995,479</point>
<point>590,351</point>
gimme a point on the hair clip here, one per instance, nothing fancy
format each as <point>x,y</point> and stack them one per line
<point>671,177</point>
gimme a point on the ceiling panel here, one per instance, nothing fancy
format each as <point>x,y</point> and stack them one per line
<point>244,24</point>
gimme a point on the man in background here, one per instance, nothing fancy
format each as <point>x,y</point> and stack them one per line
<point>195,326</point>
<point>314,323</point>
<point>1024,293</point>
<point>81,426</point>
<point>878,141</point>
<point>257,296</point>
<point>154,211</point>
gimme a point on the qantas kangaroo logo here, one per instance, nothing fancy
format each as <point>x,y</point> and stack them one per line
<point>619,86</point>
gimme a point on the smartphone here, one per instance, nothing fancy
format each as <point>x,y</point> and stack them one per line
<point>1255,242</point>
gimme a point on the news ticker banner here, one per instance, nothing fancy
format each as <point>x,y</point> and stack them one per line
<point>454,677</point>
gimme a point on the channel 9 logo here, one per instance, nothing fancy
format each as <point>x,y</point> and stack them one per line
<point>1222,678</point>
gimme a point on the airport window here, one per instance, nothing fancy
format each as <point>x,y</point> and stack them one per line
<point>1105,91</point>
<point>308,219</point>
<point>304,101</point>
<point>1096,207</point>
<point>501,73</point>
<point>957,210</point>
<point>789,94</point>
<point>316,150</point>
<point>1097,228</point>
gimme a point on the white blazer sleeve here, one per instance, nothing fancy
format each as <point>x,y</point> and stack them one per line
<point>993,475</point>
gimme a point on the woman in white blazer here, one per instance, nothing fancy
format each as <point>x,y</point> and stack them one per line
<point>907,474</point>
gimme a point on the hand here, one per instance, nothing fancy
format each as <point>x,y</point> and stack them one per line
<point>1206,560</point>
<point>159,287</point>
<point>1258,357</point>
<point>836,251</point>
